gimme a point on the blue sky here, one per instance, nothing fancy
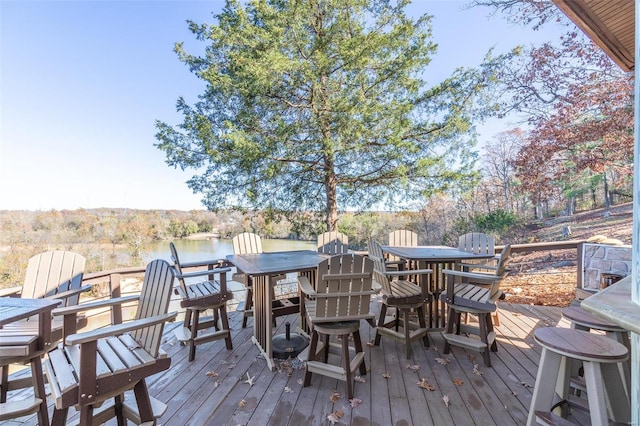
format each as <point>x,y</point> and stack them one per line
<point>82,83</point>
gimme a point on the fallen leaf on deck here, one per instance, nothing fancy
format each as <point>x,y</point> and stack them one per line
<point>476,370</point>
<point>458,382</point>
<point>300,381</point>
<point>443,361</point>
<point>514,393</point>
<point>370,344</point>
<point>445,398</point>
<point>386,375</point>
<point>287,389</point>
<point>335,417</point>
<point>216,384</point>
<point>249,380</point>
<point>360,379</point>
<point>355,402</point>
<point>526,385</point>
<point>335,396</point>
<point>242,403</point>
<point>212,374</point>
<point>413,367</point>
<point>425,385</point>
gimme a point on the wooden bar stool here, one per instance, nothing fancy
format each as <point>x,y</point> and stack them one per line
<point>581,319</point>
<point>599,356</point>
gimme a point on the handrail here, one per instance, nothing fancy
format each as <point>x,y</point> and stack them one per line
<point>545,246</point>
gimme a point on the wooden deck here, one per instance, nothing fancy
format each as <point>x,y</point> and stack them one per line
<point>214,390</point>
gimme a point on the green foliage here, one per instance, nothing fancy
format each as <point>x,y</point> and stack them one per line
<point>316,106</point>
<point>494,221</point>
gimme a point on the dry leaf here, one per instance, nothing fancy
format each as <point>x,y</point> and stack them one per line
<point>386,375</point>
<point>514,393</point>
<point>476,370</point>
<point>413,367</point>
<point>300,381</point>
<point>370,344</point>
<point>242,403</point>
<point>425,385</point>
<point>526,385</point>
<point>212,374</point>
<point>360,379</point>
<point>443,361</point>
<point>335,417</point>
<point>287,389</point>
<point>216,384</point>
<point>335,396</point>
<point>355,402</point>
<point>249,380</point>
<point>458,382</point>
<point>445,398</point>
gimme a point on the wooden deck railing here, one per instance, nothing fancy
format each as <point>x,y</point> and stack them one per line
<point>576,245</point>
<point>114,277</point>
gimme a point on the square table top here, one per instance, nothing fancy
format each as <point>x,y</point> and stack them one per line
<point>277,262</point>
<point>15,308</point>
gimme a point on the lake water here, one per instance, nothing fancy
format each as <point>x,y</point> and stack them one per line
<point>194,250</point>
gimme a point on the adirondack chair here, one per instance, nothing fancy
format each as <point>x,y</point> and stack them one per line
<point>478,243</point>
<point>333,243</point>
<point>199,297</point>
<point>95,366</point>
<point>52,275</point>
<point>249,243</point>
<point>402,295</point>
<point>335,307</point>
<point>401,238</point>
<point>476,294</point>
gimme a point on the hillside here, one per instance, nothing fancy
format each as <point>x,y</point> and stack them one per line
<point>549,278</point>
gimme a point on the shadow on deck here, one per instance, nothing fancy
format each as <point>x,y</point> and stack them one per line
<point>213,389</point>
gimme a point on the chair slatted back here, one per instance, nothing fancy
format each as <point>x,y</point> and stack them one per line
<point>53,272</point>
<point>247,243</point>
<point>477,242</point>
<point>176,263</point>
<point>344,288</point>
<point>333,243</point>
<point>503,260</point>
<point>154,300</point>
<point>379,266</point>
<point>403,238</point>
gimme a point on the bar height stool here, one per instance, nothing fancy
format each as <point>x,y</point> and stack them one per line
<point>599,355</point>
<point>581,319</point>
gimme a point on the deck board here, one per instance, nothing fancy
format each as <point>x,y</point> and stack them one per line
<point>499,396</point>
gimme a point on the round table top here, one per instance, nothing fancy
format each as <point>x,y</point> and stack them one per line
<point>581,344</point>
<point>584,318</point>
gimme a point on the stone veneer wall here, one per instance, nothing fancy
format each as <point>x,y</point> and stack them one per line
<point>604,259</point>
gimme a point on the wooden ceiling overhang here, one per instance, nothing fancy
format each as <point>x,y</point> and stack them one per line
<point>609,23</point>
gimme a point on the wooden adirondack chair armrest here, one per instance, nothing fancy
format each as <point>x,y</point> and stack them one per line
<point>83,307</point>
<point>409,272</point>
<point>11,291</point>
<point>116,330</point>
<point>473,277</point>
<point>202,273</point>
<point>305,286</point>
<point>70,293</point>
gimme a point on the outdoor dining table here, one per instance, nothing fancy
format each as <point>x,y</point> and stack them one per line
<point>259,267</point>
<point>436,258</point>
<point>14,309</point>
